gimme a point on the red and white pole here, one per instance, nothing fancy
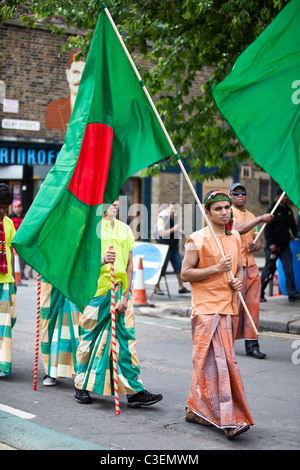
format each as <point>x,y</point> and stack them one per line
<point>113,336</point>
<point>37,336</point>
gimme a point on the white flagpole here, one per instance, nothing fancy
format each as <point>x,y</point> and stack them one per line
<point>178,159</point>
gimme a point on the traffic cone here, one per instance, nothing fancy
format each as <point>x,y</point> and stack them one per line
<point>139,296</point>
<point>276,288</point>
<point>17,269</point>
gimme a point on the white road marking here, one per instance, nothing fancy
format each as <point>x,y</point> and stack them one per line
<point>157,324</point>
<point>16,412</point>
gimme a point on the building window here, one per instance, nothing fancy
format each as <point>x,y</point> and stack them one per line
<point>264,190</point>
<point>246,172</point>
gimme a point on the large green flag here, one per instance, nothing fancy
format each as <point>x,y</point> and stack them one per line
<point>112,134</point>
<point>260,99</point>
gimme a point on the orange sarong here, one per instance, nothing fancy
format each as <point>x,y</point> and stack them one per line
<point>217,392</point>
<point>251,284</point>
<point>251,295</point>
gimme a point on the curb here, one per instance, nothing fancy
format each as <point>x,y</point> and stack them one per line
<point>276,315</point>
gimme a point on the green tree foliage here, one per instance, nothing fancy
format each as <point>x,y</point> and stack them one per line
<point>181,37</point>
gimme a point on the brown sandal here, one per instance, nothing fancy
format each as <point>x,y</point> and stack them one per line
<point>191,417</point>
<point>234,432</point>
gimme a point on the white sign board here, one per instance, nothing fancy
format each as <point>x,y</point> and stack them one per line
<point>153,257</point>
<point>10,106</point>
<point>18,124</point>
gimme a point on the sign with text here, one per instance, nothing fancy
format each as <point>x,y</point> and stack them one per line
<point>27,156</point>
<point>18,124</point>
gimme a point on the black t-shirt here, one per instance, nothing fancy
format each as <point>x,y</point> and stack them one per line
<point>278,231</point>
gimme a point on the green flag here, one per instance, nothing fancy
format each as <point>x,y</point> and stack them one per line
<point>112,134</point>
<point>260,99</point>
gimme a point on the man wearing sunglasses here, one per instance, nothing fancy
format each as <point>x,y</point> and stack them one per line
<point>245,223</point>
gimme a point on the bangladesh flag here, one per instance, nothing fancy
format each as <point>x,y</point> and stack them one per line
<point>112,134</point>
<point>260,99</point>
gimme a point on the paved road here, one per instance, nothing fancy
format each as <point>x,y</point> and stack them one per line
<point>56,421</point>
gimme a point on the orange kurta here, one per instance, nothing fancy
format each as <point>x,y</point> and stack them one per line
<point>214,294</point>
<point>246,238</point>
<point>251,283</point>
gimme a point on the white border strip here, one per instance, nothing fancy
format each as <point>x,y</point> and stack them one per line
<point>16,412</point>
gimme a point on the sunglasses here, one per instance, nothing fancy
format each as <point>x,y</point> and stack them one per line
<point>237,193</point>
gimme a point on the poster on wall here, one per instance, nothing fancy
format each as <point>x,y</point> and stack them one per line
<point>58,112</point>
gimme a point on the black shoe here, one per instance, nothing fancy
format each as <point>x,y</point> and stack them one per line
<point>143,398</point>
<point>184,290</point>
<point>24,277</point>
<point>257,354</point>
<point>262,299</point>
<point>294,298</point>
<point>82,396</point>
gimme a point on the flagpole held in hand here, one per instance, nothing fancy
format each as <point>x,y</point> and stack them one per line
<point>272,212</point>
<point>37,337</point>
<point>113,336</point>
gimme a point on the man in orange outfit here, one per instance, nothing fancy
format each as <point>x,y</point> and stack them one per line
<point>217,394</point>
<point>245,223</point>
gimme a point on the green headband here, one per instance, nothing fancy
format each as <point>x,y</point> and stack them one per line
<point>216,196</point>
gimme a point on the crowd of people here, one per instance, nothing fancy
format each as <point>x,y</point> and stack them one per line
<point>79,344</point>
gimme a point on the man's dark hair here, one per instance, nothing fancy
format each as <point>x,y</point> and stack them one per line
<point>6,194</point>
<point>207,197</point>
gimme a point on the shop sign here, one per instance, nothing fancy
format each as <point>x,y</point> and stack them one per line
<point>27,156</point>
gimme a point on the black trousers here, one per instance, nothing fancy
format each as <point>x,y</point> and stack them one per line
<point>286,257</point>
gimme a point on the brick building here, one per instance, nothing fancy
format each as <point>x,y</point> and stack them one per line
<point>34,74</point>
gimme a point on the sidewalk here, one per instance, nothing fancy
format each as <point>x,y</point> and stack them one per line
<point>276,315</point>
<point>6,447</point>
